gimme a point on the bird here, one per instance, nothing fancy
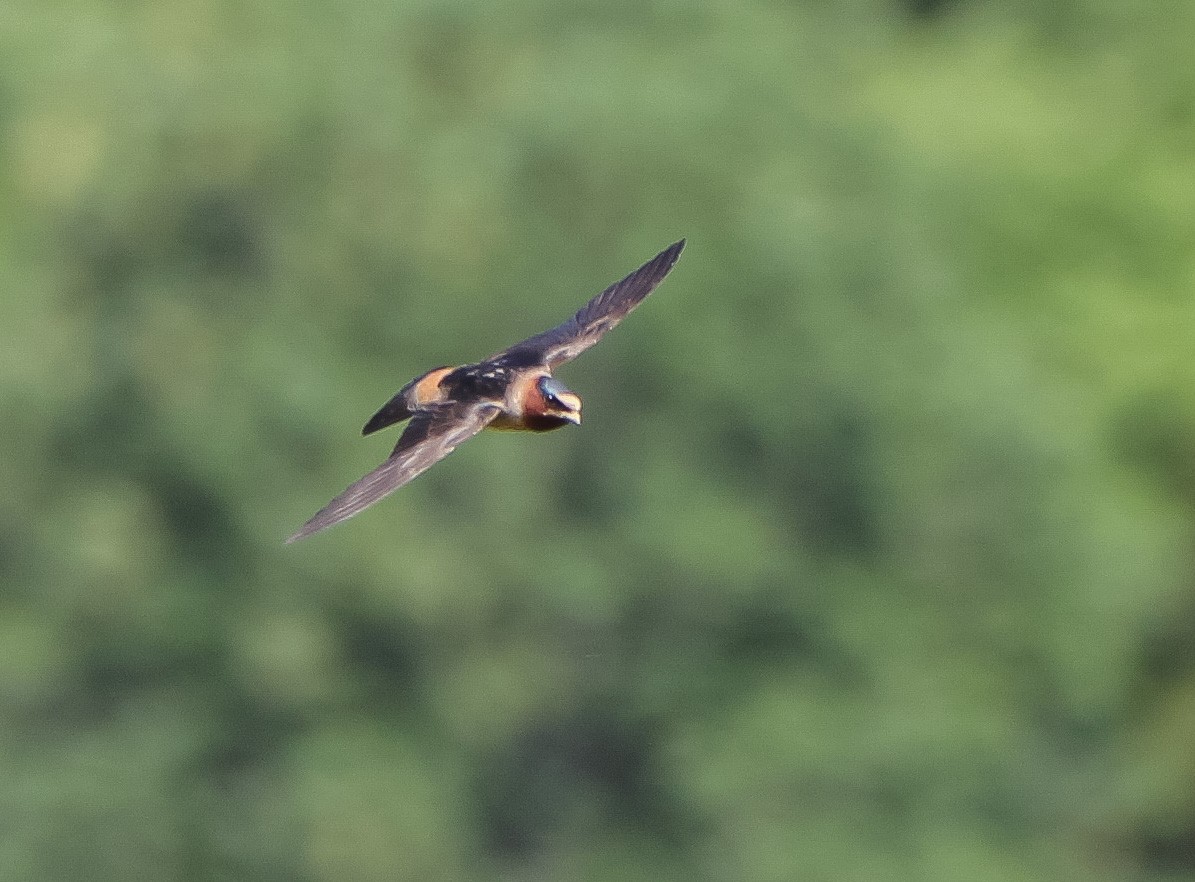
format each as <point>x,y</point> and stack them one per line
<point>513,389</point>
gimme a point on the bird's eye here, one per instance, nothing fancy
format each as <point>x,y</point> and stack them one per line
<point>552,389</point>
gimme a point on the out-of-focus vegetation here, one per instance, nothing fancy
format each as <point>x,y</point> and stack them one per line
<point>873,559</point>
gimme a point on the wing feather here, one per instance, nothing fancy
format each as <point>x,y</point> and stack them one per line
<point>568,340</point>
<point>431,435</point>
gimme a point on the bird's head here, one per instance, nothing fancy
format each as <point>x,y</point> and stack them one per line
<point>558,402</point>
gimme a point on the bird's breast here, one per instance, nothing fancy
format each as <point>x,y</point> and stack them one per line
<point>528,422</point>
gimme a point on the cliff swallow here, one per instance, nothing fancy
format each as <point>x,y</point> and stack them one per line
<point>513,389</point>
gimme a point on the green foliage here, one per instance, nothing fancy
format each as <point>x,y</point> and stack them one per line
<point>873,559</point>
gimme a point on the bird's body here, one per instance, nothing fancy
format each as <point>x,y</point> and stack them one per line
<point>513,389</point>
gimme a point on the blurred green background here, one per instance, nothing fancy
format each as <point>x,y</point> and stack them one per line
<point>873,558</point>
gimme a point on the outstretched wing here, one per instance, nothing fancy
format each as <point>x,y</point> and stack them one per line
<point>568,340</point>
<point>431,435</point>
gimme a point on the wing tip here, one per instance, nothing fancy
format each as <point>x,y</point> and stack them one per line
<point>661,265</point>
<point>663,262</point>
<point>317,524</point>
<point>302,533</point>
<point>673,251</point>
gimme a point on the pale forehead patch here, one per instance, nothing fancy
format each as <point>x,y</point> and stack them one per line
<point>569,399</point>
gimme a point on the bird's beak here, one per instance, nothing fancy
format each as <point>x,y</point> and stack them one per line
<point>571,401</point>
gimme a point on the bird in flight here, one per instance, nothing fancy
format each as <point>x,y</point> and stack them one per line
<point>513,389</point>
